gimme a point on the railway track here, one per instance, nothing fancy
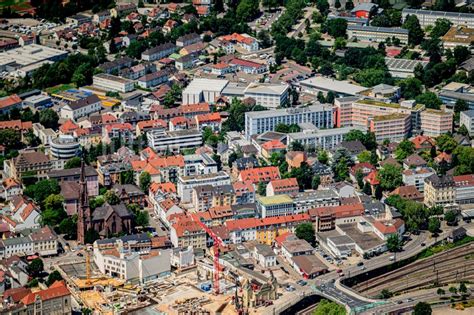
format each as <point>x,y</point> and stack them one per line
<point>450,266</point>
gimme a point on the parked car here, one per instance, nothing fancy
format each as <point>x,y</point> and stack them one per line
<point>302,282</point>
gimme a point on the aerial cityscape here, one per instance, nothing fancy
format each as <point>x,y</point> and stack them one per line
<point>310,157</point>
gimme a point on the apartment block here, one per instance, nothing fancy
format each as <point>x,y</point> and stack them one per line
<point>259,122</point>
<point>186,184</point>
<point>376,34</point>
<point>111,83</point>
<point>428,18</point>
<point>436,122</point>
<point>467,119</point>
<point>394,127</point>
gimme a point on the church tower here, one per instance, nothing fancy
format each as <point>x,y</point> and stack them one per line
<point>83,211</point>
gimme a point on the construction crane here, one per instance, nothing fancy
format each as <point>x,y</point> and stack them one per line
<point>217,243</point>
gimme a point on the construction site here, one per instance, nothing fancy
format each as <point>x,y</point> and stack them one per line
<point>210,287</point>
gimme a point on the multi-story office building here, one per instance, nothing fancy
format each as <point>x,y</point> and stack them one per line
<point>187,183</point>
<point>274,206</point>
<point>321,138</point>
<point>360,112</point>
<point>111,83</point>
<point>376,34</point>
<point>203,90</point>
<point>64,147</point>
<point>394,127</point>
<point>435,122</point>
<point>315,199</point>
<point>467,119</point>
<point>259,122</point>
<point>268,95</point>
<point>428,18</point>
<point>174,141</point>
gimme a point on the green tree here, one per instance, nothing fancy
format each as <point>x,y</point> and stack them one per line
<point>410,88</point>
<point>53,212</point>
<point>73,163</point>
<point>367,189</point>
<point>337,27</point>
<point>49,118</point>
<point>429,99</point>
<point>370,77</point>
<point>10,139</point>
<point>145,181</point>
<point>404,149</point>
<point>111,198</point>
<point>434,225</point>
<point>450,217</point>
<point>42,189</point>
<point>303,174</point>
<point>462,288</point>
<point>68,226</point>
<point>441,27</point>
<point>453,290</point>
<point>36,267</point>
<point>393,243</point>
<point>323,157</point>
<point>323,6</point>
<point>141,218</point>
<point>360,179</point>
<point>316,182</point>
<point>386,294</point>
<point>461,54</point>
<point>440,291</point>
<point>446,143</point>
<point>415,32</point>
<point>349,5</point>
<point>390,177</point>
<point>422,308</point>
<point>305,231</point>
<point>262,189</point>
<point>53,277</point>
<point>326,307</point>
<point>247,10</point>
<point>341,163</point>
<point>364,156</point>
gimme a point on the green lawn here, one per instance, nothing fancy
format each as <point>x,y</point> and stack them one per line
<point>59,88</point>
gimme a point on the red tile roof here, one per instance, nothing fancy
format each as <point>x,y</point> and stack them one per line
<point>388,227</point>
<point>9,101</point>
<point>372,178</point>
<point>464,180</point>
<point>284,184</point>
<point>343,211</point>
<point>260,174</point>
<point>164,187</point>
<point>250,223</point>
<point>56,290</point>
<point>207,118</point>
<point>68,126</point>
<point>273,145</point>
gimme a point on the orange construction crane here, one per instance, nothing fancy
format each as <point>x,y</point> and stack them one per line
<point>217,244</point>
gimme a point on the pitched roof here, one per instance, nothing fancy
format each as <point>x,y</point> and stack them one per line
<point>9,101</point>
<point>260,174</point>
<point>56,290</point>
<point>284,184</point>
<point>343,211</point>
<point>273,145</point>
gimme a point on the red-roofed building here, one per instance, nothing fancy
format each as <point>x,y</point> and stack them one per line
<point>248,66</point>
<point>149,125</point>
<point>9,102</point>
<point>272,146</point>
<point>248,43</point>
<point>384,229</point>
<point>16,125</point>
<point>68,127</point>
<point>444,157</point>
<point>288,186</point>
<point>211,120</point>
<point>54,300</point>
<point>260,174</point>
<point>365,168</point>
<point>422,143</point>
<point>124,131</point>
<point>187,232</point>
<point>408,192</point>
<point>222,68</point>
<point>372,179</point>
<point>326,218</point>
<point>244,192</point>
<point>11,187</point>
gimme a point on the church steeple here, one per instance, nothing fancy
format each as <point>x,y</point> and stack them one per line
<point>83,211</point>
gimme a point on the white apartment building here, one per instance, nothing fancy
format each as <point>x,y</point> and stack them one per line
<point>467,119</point>
<point>41,241</point>
<point>428,18</point>
<point>131,266</point>
<point>81,108</point>
<point>158,52</point>
<point>187,183</point>
<point>259,122</point>
<point>326,139</point>
<point>111,83</point>
<point>376,34</point>
<point>416,177</point>
<point>268,95</point>
<point>174,141</point>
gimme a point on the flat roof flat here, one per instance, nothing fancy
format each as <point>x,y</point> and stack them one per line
<point>30,54</point>
<point>288,111</point>
<point>329,84</point>
<point>366,241</point>
<point>199,84</point>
